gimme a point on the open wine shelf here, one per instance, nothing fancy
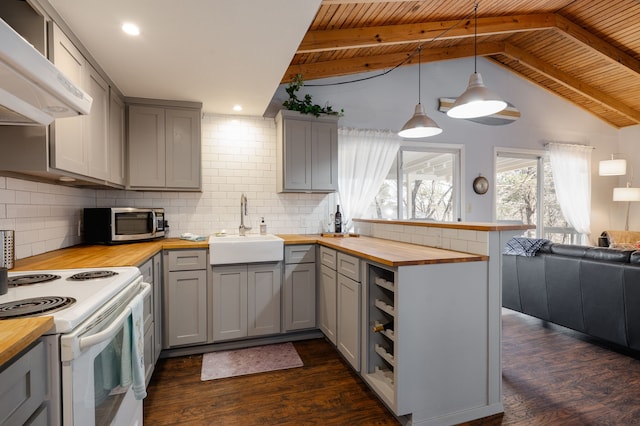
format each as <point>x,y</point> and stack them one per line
<point>381,345</point>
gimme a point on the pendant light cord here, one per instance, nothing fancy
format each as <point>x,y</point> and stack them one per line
<point>475,39</point>
<point>419,60</point>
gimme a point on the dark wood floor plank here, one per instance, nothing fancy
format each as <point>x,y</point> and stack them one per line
<point>551,376</point>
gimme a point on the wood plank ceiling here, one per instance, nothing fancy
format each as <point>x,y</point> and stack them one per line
<point>586,51</point>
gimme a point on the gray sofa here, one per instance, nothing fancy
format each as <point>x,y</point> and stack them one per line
<point>593,290</point>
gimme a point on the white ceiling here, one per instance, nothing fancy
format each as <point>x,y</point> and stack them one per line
<point>218,52</point>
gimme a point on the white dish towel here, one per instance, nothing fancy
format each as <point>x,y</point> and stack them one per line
<point>137,346</point>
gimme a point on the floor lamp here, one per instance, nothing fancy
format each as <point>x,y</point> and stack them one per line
<point>627,194</point>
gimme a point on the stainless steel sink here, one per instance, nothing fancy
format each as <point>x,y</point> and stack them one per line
<point>229,249</point>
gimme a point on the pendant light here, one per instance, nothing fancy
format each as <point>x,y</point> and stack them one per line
<point>420,125</point>
<point>477,100</point>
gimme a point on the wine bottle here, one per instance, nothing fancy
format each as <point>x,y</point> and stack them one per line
<point>338,220</point>
<point>380,326</point>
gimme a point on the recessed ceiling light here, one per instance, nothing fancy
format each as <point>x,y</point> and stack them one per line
<point>131,29</point>
<point>237,107</point>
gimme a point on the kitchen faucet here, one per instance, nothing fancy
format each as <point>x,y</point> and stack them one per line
<point>243,211</point>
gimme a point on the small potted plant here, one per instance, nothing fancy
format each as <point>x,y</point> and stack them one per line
<point>305,106</point>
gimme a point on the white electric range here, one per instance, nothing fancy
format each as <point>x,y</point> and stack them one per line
<point>92,335</point>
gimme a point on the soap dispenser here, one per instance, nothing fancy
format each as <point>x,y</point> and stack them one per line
<point>263,227</point>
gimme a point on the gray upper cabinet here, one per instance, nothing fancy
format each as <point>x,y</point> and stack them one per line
<point>164,145</point>
<point>307,152</point>
<point>81,143</point>
<point>87,148</point>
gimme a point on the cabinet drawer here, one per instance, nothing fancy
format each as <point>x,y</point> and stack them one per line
<point>328,257</point>
<point>187,260</point>
<point>300,254</point>
<point>349,266</point>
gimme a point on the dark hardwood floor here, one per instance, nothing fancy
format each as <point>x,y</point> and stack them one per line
<point>551,376</point>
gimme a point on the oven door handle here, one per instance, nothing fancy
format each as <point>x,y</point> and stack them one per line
<point>112,330</point>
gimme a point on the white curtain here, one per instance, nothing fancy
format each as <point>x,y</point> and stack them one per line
<point>364,159</point>
<point>571,168</point>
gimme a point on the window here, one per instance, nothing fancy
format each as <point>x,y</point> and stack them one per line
<point>422,184</point>
<point>524,188</point>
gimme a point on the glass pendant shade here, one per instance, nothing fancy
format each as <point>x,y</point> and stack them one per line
<point>626,194</point>
<point>419,126</point>
<point>476,101</point>
<point>612,167</point>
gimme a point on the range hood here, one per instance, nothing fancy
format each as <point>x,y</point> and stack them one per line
<point>32,90</point>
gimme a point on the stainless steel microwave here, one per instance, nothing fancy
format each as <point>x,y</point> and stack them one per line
<point>110,225</point>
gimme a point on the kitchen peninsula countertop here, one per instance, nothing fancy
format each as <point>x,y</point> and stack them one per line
<point>386,252</point>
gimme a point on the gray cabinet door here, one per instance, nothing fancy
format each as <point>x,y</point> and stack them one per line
<point>97,135</point>
<point>297,155</point>
<point>157,305</point>
<point>324,156</point>
<point>229,302</point>
<point>182,131</point>
<point>187,307</point>
<point>327,302</point>
<point>348,327</point>
<point>264,282</point>
<point>146,146</point>
<point>68,150</point>
<point>299,296</point>
<point>116,140</point>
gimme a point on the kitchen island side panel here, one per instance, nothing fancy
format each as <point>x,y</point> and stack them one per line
<point>445,349</point>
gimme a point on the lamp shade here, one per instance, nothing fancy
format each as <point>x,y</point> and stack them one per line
<point>612,167</point>
<point>476,101</point>
<point>626,194</point>
<point>419,126</point>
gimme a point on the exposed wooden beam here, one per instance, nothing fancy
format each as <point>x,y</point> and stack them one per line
<point>349,66</point>
<point>572,83</point>
<point>596,43</point>
<point>351,38</point>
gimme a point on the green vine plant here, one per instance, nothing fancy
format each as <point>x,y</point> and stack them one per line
<point>306,105</point>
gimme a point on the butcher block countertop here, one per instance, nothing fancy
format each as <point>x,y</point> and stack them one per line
<point>99,256</point>
<point>386,252</point>
<point>18,334</point>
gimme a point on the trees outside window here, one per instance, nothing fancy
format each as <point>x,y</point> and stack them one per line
<point>524,188</point>
<point>429,186</point>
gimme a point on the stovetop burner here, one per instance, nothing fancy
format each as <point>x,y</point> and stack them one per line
<point>31,279</point>
<point>90,275</point>
<point>34,306</point>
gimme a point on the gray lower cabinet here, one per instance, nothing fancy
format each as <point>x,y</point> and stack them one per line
<point>246,300</point>
<point>152,274</point>
<point>185,296</point>
<point>327,293</point>
<point>164,145</point>
<point>299,291</point>
<point>349,311</point>
<point>339,299</point>
<point>23,383</point>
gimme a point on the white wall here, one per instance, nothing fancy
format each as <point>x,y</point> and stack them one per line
<point>239,156</point>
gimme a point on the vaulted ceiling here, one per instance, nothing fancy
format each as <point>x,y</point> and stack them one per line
<point>586,51</point>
